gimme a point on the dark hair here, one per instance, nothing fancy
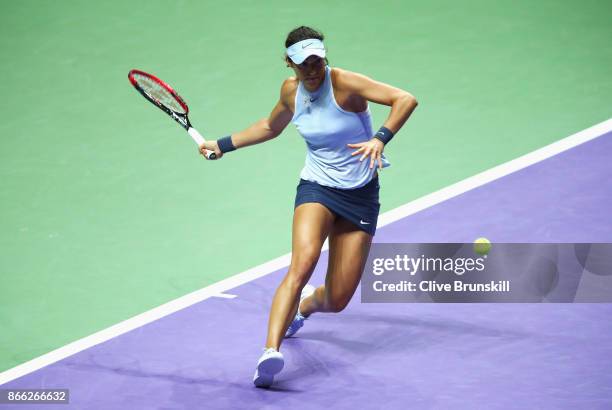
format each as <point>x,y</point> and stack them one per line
<point>302,33</point>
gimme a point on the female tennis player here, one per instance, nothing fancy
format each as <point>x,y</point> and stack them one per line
<point>337,196</point>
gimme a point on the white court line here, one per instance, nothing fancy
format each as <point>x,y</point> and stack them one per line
<point>224,296</point>
<point>495,173</point>
<point>218,288</point>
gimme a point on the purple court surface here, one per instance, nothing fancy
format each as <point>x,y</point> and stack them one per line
<point>385,356</point>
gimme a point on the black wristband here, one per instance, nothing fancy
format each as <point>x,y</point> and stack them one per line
<point>384,134</point>
<point>225,144</point>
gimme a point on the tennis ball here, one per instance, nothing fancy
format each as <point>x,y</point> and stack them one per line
<point>482,246</point>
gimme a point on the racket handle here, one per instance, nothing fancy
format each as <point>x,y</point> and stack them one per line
<point>195,135</point>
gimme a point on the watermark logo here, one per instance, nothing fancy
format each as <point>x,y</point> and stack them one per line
<point>485,272</point>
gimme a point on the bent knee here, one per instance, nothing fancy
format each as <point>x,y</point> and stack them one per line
<point>304,262</point>
<point>337,304</point>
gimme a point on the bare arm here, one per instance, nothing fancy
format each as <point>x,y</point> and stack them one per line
<point>402,104</point>
<point>264,129</point>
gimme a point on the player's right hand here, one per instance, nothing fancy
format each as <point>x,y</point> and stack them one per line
<point>211,146</point>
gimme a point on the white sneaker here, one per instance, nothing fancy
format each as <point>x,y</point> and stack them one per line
<point>270,363</point>
<point>298,320</point>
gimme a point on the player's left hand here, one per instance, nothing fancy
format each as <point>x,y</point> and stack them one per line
<point>372,148</point>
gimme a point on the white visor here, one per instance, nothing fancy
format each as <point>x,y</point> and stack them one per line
<point>301,50</point>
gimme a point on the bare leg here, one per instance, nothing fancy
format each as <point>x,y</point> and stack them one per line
<point>348,251</point>
<point>311,225</point>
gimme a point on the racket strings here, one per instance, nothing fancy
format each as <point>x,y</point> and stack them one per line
<point>159,93</point>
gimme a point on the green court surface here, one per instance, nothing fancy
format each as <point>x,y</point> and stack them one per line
<point>107,210</point>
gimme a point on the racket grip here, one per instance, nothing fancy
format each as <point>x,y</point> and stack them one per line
<point>197,137</point>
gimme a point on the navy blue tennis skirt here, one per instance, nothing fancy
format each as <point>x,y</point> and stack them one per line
<point>359,205</point>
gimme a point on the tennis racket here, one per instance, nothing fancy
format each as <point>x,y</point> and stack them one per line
<point>163,96</point>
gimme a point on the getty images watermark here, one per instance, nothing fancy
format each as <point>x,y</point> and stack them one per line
<point>456,272</point>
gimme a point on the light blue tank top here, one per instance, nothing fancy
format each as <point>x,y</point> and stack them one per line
<point>327,129</point>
